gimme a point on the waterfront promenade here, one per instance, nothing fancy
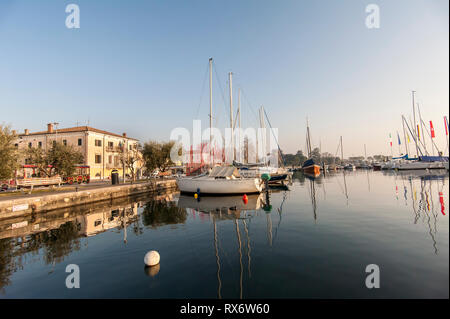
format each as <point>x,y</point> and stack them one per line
<point>14,205</point>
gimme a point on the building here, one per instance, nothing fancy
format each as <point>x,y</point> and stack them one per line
<point>100,148</point>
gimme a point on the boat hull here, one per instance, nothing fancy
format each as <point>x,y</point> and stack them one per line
<point>422,165</point>
<point>220,186</point>
<point>312,169</point>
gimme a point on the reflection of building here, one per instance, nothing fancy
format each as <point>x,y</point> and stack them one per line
<point>92,224</point>
<point>99,148</point>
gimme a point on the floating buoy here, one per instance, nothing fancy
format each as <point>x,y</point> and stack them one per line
<point>151,258</point>
<point>245,198</point>
<point>195,195</point>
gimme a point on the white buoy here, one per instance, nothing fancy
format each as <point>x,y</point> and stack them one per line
<point>151,258</point>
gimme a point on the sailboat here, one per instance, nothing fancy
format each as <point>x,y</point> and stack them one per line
<point>220,180</point>
<point>309,166</point>
<point>422,161</point>
<point>278,175</point>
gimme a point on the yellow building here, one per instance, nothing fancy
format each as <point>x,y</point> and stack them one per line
<point>99,148</point>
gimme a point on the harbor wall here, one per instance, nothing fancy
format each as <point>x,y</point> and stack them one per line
<point>37,204</point>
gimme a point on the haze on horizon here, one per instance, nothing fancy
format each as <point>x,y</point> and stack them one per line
<point>141,67</point>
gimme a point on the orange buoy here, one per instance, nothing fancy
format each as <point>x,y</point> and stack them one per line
<point>245,198</point>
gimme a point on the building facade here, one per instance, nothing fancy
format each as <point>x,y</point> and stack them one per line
<point>99,148</point>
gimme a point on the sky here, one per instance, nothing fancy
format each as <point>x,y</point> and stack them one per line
<point>140,67</point>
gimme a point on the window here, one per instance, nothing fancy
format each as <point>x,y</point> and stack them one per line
<point>110,159</point>
<point>98,159</point>
<point>54,143</point>
<point>130,147</point>
<point>98,142</point>
<point>80,142</point>
<point>110,144</point>
<point>40,144</point>
<point>116,160</point>
<point>16,145</point>
<point>97,222</point>
<point>65,142</point>
<point>30,145</point>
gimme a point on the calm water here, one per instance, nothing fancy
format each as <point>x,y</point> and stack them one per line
<point>311,241</point>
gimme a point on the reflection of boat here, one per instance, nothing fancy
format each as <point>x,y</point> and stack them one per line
<point>210,203</point>
<point>220,181</point>
<point>349,167</point>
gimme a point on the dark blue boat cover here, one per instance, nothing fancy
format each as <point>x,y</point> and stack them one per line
<point>433,158</point>
<point>308,162</point>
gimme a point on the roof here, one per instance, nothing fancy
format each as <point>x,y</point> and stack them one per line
<point>224,171</point>
<point>77,129</point>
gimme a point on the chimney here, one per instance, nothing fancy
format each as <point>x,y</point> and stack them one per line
<point>49,128</point>
<point>124,134</point>
<point>27,131</point>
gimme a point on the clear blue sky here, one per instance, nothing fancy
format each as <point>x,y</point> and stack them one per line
<point>139,66</point>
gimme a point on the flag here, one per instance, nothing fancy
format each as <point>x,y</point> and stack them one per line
<point>399,141</point>
<point>418,132</point>
<point>446,125</point>
<point>407,135</point>
<point>390,139</point>
<point>432,130</point>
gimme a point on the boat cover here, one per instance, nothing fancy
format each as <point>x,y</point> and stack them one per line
<point>224,171</point>
<point>308,162</point>
<point>433,158</point>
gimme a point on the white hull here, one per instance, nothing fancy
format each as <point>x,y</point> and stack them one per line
<point>208,185</point>
<point>422,165</point>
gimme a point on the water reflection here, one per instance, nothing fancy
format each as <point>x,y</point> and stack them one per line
<point>239,243</point>
<point>57,233</point>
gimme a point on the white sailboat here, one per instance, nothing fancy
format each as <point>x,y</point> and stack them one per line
<point>221,180</point>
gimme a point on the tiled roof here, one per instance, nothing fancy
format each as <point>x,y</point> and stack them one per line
<point>77,129</point>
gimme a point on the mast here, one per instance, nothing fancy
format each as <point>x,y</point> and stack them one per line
<point>230,75</point>
<point>210,112</point>
<point>239,121</point>
<point>342,152</point>
<point>308,139</point>
<point>365,153</point>
<point>415,124</point>
<point>421,126</point>
<point>404,136</point>
<point>263,137</point>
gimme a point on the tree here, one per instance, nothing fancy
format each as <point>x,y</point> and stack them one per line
<point>61,159</point>
<point>157,155</point>
<point>9,159</point>
<point>315,154</point>
<point>129,158</point>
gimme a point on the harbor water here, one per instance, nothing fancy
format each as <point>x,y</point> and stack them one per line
<point>311,239</point>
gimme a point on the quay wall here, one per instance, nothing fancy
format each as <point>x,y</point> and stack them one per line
<point>11,208</point>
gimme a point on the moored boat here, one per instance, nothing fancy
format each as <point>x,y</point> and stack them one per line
<point>221,180</point>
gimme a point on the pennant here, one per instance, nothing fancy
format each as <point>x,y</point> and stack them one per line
<point>407,135</point>
<point>432,130</point>
<point>446,125</point>
<point>390,139</point>
<point>399,141</point>
<point>418,132</point>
